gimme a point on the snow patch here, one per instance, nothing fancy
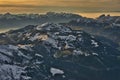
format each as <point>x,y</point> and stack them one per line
<point>94,43</point>
<point>77,52</point>
<point>39,55</point>
<point>39,27</point>
<point>26,78</point>
<point>56,71</point>
<point>95,54</point>
<point>71,38</point>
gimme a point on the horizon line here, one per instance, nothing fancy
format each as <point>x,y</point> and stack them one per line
<point>61,12</point>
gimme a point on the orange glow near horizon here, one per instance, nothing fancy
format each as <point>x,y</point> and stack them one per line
<point>42,6</point>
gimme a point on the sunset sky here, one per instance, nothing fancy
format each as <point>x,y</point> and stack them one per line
<point>42,6</point>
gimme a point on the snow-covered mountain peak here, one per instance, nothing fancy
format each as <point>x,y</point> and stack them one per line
<point>52,27</point>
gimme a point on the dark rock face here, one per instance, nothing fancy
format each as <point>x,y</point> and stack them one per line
<point>55,52</point>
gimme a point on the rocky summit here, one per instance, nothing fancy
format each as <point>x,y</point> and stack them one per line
<point>55,52</point>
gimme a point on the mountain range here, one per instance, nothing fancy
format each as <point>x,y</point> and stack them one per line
<point>9,20</point>
<point>105,28</point>
<point>56,52</point>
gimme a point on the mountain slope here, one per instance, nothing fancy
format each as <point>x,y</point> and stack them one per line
<point>54,52</point>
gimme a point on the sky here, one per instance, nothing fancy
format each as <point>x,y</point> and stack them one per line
<point>42,6</point>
